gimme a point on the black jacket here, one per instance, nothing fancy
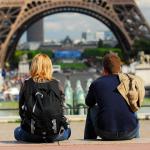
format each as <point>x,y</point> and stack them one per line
<point>26,94</point>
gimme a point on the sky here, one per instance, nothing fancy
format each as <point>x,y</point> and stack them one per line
<point>58,26</point>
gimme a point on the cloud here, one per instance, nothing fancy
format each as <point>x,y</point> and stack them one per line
<point>73,22</point>
<point>52,26</point>
<point>70,28</point>
<point>143,3</point>
<point>144,6</point>
<point>62,16</point>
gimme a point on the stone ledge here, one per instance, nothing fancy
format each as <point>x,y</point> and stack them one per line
<point>9,119</point>
<point>78,142</point>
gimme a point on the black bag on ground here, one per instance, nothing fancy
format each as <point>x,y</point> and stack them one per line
<point>43,110</point>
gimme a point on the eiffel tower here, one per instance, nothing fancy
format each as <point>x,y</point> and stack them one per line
<point>122,17</point>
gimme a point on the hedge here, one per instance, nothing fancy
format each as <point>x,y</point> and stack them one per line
<point>89,52</point>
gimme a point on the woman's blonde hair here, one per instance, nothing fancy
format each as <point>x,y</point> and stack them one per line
<point>41,68</point>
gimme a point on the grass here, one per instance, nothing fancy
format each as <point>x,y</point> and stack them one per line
<point>73,66</point>
<point>14,104</point>
<point>146,101</point>
<point>9,105</point>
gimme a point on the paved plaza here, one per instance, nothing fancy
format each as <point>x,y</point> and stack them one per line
<point>76,142</point>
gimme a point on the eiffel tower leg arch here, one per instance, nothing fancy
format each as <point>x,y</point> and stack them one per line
<point>9,48</point>
<point>117,32</point>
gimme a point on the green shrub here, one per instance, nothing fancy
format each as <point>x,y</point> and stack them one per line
<point>14,60</point>
<point>9,105</point>
<point>31,54</point>
<point>142,44</point>
<point>73,66</point>
<point>94,52</point>
<point>18,53</point>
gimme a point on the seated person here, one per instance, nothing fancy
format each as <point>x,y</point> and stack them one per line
<point>109,115</point>
<point>41,105</point>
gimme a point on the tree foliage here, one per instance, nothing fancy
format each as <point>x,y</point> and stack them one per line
<point>100,52</point>
<point>142,44</point>
<point>18,53</point>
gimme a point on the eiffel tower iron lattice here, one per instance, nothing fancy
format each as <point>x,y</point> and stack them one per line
<point>122,17</point>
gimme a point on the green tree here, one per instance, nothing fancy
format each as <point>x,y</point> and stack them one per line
<point>31,54</point>
<point>18,53</point>
<point>142,44</point>
<point>100,52</point>
<point>100,43</point>
<point>14,60</point>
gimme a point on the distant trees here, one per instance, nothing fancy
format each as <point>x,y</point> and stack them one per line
<point>100,52</point>
<point>142,44</point>
<point>90,55</point>
<point>94,55</point>
<point>18,53</point>
<point>100,43</point>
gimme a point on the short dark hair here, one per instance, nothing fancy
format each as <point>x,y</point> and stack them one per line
<point>112,63</point>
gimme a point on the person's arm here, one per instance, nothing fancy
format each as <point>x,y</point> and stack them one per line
<point>62,95</point>
<point>21,100</point>
<point>64,119</point>
<point>90,98</point>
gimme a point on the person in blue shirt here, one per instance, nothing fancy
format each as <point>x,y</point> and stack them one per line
<point>109,116</point>
<point>4,73</point>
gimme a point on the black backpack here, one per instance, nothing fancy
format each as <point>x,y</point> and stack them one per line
<point>43,110</point>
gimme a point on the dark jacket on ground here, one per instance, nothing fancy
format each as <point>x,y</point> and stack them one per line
<point>26,95</point>
<point>114,113</point>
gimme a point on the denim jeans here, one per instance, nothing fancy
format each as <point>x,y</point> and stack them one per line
<point>21,135</point>
<point>91,131</point>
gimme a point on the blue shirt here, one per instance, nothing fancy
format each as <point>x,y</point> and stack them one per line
<point>114,113</point>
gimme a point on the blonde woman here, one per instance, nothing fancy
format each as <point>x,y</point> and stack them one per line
<point>41,105</point>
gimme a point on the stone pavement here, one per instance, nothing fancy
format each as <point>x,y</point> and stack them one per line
<point>76,142</point>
